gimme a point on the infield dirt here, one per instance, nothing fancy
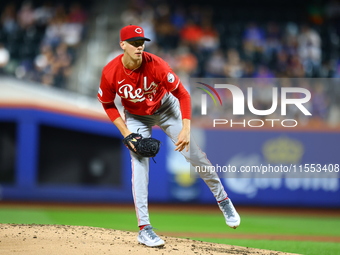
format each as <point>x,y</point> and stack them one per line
<point>78,240</point>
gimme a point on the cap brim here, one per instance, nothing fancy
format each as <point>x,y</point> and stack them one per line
<point>138,38</point>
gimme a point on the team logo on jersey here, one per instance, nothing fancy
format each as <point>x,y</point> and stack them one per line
<point>171,77</point>
<point>100,92</point>
<point>129,92</point>
<point>138,30</point>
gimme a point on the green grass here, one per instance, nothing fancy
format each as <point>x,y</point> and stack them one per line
<point>199,222</point>
<point>124,220</point>
<point>250,224</point>
<point>307,248</point>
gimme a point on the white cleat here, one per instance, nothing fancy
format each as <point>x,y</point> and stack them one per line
<point>232,218</point>
<point>148,237</point>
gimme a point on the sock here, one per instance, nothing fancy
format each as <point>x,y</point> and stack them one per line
<point>223,200</point>
<point>141,227</point>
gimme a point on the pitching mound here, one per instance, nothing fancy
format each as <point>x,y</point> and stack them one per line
<point>60,239</point>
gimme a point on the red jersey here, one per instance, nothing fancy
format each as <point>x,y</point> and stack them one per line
<point>140,90</point>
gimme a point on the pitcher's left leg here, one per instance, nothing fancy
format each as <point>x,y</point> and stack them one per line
<point>171,123</point>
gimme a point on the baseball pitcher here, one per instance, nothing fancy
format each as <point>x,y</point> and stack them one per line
<point>152,94</point>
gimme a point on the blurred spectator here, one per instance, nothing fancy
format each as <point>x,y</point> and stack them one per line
<point>71,33</point>
<point>214,67</point>
<point>234,67</point>
<point>54,31</point>
<point>263,72</point>
<point>113,54</point>
<point>147,23</point>
<point>248,70</point>
<point>295,68</point>
<point>44,13</point>
<point>273,43</point>
<point>178,18</point>
<point>166,34</point>
<point>43,65</point>
<point>76,14</point>
<point>130,16</point>
<point>253,43</point>
<point>162,10</point>
<point>186,61</point>
<point>26,17</point>
<point>281,64</point>
<point>61,66</point>
<point>254,35</point>
<point>309,49</point>
<point>191,33</point>
<point>209,40</point>
<point>41,40</point>
<point>290,39</point>
<point>319,102</point>
<point>73,27</point>
<point>4,57</point>
<point>53,68</point>
<point>8,19</point>
<point>337,70</point>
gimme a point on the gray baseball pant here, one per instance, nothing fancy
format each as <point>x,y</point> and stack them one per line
<point>168,118</point>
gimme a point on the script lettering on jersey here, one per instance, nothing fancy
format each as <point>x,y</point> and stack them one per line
<point>127,91</point>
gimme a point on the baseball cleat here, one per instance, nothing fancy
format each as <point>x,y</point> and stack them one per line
<point>232,218</point>
<point>148,237</point>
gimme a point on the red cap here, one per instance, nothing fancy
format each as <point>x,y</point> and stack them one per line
<point>132,33</point>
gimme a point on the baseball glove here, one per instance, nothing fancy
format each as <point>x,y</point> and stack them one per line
<point>145,147</point>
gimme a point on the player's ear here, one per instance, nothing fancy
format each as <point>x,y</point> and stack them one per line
<point>122,45</point>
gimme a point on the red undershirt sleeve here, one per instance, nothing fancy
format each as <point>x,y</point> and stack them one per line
<point>184,100</point>
<point>111,110</point>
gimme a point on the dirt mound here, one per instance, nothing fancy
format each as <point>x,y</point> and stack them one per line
<point>61,239</point>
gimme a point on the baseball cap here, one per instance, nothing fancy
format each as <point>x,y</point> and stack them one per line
<point>132,33</point>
